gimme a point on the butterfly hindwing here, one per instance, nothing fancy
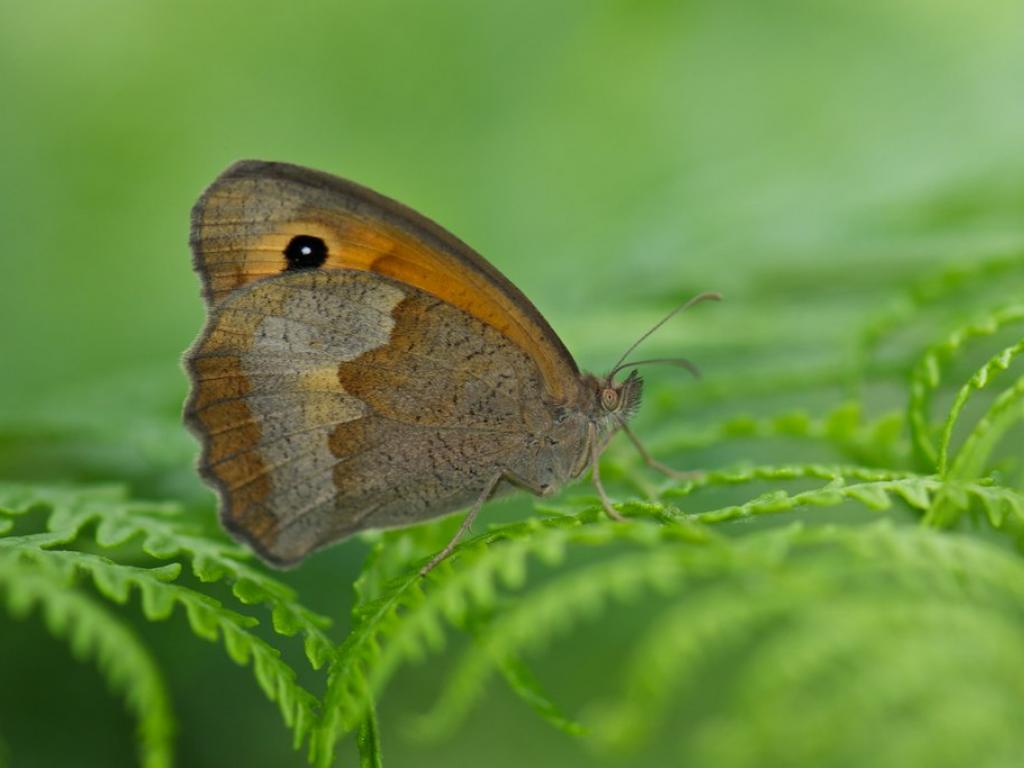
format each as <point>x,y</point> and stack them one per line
<point>329,401</point>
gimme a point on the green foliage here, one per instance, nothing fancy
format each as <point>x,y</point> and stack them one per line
<point>52,569</point>
<point>843,619</point>
<point>927,377</point>
<point>94,633</point>
<point>842,587</point>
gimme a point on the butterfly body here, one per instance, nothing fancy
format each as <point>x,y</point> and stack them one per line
<point>362,368</point>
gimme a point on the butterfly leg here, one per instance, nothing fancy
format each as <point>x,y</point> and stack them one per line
<point>595,473</point>
<point>466,524</point>
<point>653,463</point>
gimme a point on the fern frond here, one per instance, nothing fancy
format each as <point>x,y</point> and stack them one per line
<point>207,617</point>
<point>19,499</point>
<point>981,379</point>
<point>874,658</point>
<point>834,473</point>
<point>391,556</point>
<point>165,534</point>
<point>407,620</point>
<point>872,487</point>
<point>368,740</point>
<point>1005,411</point>
<point>94,633</point>
<point>931,289</point>
<point>927,375</point>
<point>813,610</point>
<point>382,563</point>
<point>554,608</point>
<point>524,684</point>
<point>682,636</point>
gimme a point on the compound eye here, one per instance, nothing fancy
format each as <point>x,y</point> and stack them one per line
<point>609,399</point>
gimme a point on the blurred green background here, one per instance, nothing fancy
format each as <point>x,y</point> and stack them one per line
<point>589,149</point>
<point>609,156</point>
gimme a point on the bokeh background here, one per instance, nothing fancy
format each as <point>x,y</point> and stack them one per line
<point>609,156</point>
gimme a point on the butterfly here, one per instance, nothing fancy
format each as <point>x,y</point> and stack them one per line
<point>362,368</point>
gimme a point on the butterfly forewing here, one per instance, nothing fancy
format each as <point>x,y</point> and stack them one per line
<point>246,225</point>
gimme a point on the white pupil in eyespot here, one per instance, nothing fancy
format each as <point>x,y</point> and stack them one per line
<point>306,250</point>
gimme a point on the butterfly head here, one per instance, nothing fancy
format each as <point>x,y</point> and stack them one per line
<point>617,402</point>
<point>620,400</point>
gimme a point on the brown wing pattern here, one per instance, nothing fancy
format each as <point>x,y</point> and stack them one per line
<point>332,401</point>
<point>248,216</point>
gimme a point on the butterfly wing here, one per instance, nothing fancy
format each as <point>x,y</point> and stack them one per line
<point>329,401</point>
<point>243,225</point>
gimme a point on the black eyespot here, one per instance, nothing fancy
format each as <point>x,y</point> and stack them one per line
<point>305,252</point>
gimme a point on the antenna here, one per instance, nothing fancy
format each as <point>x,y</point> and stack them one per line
<point>708,296</point>
<point>679,362</point>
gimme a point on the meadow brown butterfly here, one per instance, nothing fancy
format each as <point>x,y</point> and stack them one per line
<point>363,368</point>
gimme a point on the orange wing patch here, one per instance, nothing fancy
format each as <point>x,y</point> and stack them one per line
<point>249,215</point>
<point>231,459</point>
<point>266,395</point>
